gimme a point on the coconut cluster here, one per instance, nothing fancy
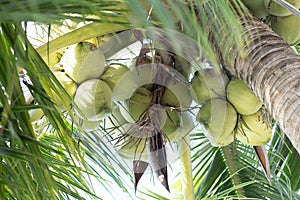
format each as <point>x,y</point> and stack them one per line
<point>134,93</point>
<point>282,21</point>
<point>121,98</point>
<point>229,109</point>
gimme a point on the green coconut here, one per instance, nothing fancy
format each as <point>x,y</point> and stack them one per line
<point>53,58</point>
<point>218,119</point>
<point>240,96</point>
<point>177,94</point>
<point>185,127</point>
<point>82,62</point>
<point>134,108</point>
<point>35,114</point>
<point>277,10</point>
<point>69,85</point>
<point>145,74</point>
<point>125,86</point>
<point>208,84</point>
<point>134,149</point>
<point>183,66</point>
<point>254,129</point>
<point>257,7</point>
<point>172,121</point>
<point>94,99</point>
<point>87,125</point>
<point>113,74</point>
<point>287,28</point>
<point>116,124</point>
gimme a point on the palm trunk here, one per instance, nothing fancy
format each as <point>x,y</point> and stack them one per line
<point>270,68</point>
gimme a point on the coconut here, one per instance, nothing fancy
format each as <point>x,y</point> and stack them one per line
<point>172,121</point>
<point>53,58</point>
<point>177,94</point>
<point>183,66</point>
<point>186,126</point>
<point>69,85</point>
<point>115,124</point>
<point>208,84</point>
<point>87,125</point>
<point>113,74</point>
<point>94,99</point>
<point>287,28</point>
<point>241,97</point>
<point>256,7</point>
<point>82,62</point>
<point>145,74</point>
<point>125,86</point>
<point>254,129</point>
<point>35,114</point>
<point>277,10</point>
<point>134,108</point>
<point>218,119</point>
<point>134,149</point>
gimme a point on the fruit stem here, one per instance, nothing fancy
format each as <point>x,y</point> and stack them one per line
<point>78,35</point>
<point>186,167</point>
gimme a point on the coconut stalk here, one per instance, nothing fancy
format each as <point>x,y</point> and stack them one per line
<point>81,34</point>
<point>186,167</point>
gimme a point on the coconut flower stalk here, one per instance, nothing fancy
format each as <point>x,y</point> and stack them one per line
<point>155,143</point>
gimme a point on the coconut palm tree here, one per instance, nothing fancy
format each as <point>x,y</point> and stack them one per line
<point>55,158</point>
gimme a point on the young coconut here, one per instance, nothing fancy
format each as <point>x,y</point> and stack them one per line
<point>134,108</point>
<point>256,7</point>
<point>240,96</point>
<point>287,28</point>
<point>208,84</point>
<point>277,10</point>
<point>145,74</point>
<point>125,86</point>
<point>219,119</point>
<point>94,99</point>
<point>132,145</point>
<point>53,58</point>
<point>177,94</point>
<point>183,66</point>
<point>186,126</point>
<point>83,61</point>
<point>172,121</point>
<point>134,149</point>
<point>87,125</point>
<point>113,74</point>
<point>254,129</point>
<point>69,85</point>
<point>115,124</point>
<point>35,114</point>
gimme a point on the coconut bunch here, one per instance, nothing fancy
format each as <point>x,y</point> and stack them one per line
<point>253,126</point>
<point>97,89</point>
<point>153,98</point>
<point>80,69</point>
<point>217,116</point>
<point>282,21</point>
<point>168,116</point>
<point>229,109</point>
